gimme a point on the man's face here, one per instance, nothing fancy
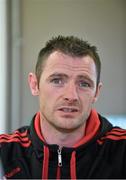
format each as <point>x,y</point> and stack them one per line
<point>67,90</point>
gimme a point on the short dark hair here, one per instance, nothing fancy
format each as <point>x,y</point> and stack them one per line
<point>69,45</point>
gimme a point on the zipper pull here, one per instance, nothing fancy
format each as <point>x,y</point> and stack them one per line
<point>59,151</point>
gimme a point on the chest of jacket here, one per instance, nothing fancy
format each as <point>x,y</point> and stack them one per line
<point>94,161</point>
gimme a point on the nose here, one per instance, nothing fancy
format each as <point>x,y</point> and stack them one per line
<point>70,92</point>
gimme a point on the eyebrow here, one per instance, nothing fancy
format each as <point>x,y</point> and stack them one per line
<point>58,75</point>
<point>66,76</point>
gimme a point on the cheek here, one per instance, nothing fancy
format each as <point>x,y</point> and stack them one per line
<point>87,99</point>
<point>47,97</point>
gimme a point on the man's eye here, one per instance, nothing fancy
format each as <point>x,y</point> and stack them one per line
<point>57,81</point>
<point>84,84</point>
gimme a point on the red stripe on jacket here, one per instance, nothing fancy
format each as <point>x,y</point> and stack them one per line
<point>18,137</point>
<point>115,134</point>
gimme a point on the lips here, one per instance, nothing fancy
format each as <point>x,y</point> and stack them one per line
<point>68,109</point>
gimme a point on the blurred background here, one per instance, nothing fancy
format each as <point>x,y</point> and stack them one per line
<point>25,26</point>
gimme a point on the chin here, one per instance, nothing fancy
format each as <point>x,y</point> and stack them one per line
<point>68,124</point>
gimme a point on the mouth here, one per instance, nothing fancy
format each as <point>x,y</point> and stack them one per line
<point>68,109</point>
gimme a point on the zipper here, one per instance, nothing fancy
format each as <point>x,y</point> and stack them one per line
<point>59,151</point>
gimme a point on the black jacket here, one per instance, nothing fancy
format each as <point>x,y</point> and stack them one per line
<point>24,154</point>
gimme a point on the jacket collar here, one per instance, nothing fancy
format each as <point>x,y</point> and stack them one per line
<point>92,128</point>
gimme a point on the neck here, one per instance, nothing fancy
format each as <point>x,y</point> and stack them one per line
<point>62,138</point>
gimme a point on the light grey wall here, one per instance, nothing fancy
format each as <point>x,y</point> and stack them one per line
<point>124,67</point>
<point>101,22</point>
<point>3,67</point>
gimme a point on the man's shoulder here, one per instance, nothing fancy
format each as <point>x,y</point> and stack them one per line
<point>18,137</point>
<point>116,134</point>
<point>14,148</point>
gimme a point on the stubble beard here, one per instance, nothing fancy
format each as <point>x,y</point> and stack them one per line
<point>65,127</point>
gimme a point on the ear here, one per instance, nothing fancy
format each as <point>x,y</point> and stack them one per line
<point>98,89</point>
<point>33,84</point>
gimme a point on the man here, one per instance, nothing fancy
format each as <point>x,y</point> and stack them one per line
<point>67,138</point>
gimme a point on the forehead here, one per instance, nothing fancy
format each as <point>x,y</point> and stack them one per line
<point>59,62</point>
